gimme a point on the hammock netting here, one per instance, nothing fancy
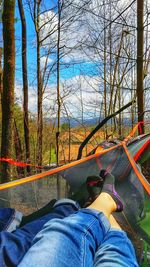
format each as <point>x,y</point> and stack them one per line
<point>123,161</point>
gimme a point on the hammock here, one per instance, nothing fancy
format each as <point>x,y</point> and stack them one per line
<point>122,160</point>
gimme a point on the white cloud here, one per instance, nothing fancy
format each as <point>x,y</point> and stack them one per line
<point>82,23</point>
<point>32,97</point>
<point>74,91</point>
<point>48,24</point>
<point>84,29</point>
<point>46,59</point>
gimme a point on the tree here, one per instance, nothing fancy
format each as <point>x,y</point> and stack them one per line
<point>58,98</point>
<point>8,84</point>
<point>140,73</point>
<point>1,71</point>
<point>1,52</point>
<point>37,5</point>
<point>18,149</point>
<point>25,82</point>
<point>34,7</point>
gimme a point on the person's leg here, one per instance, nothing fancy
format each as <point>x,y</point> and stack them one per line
<point>14,245</point>
<point>116,249</point>
<point>71,242</point>
<point>39,213</point>
<point>75,239</point>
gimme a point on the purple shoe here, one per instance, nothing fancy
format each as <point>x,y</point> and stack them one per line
<point>109,188</point>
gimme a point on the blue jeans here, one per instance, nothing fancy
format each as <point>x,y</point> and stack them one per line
<point>10,219</point>
<point>75,240</point>
<point>14,245</point>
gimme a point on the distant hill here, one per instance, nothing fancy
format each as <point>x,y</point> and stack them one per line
<point>78,121</point>
<point>92,121</point>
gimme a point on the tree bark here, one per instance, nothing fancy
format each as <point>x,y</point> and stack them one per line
<point>1,71</point>
<point>58,99</point>
<point>114,74</point>
<point>25,82</point>
<point>39,85</point>
<point>18,149</point>
<point>8,84</point>
<point>105,71</point>
<point>140,76</point>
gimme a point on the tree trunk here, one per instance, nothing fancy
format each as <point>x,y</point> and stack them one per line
<point>25,82</point>
<point>114,75</point>
<point>58,99</point>
<point>110,58</point>
<point>1,71</point>
<point>18,149</point>
<point>40,88</point>
<point>119,119</point>
<point>105,71</point>
<point>140,76</point>
<point>8,84</point>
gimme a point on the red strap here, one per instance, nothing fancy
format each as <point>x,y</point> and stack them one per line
<point>19,164</point>
<point>92,183</point>
<point>140,125</point>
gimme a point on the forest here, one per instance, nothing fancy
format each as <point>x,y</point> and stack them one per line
<point>65,66</point>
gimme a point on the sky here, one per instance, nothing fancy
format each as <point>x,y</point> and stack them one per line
<point>71,69</point>
<point>77,69</point>
<point>67,70</point>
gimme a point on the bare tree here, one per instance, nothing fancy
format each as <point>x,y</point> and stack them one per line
<point>58,98</point>
<point>140,74</point>
<point>58,84</point>
<point>1,54</point>
<point>18,149</point>
<point>1,71</point>
<point>8,84</point>
<point>36,19</point>
<point>41,20</point>
<point>25,82</point>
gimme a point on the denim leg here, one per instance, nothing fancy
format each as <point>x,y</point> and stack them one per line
<point>115,251</point>
<point>70,242</point>
<point>14,245</point>
<point>10,219</point>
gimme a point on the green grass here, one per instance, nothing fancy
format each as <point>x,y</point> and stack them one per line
<point>145,261</point>
<point>49,159</point>
<point>145,224</point>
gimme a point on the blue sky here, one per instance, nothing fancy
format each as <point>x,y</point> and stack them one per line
<point>67,71</point>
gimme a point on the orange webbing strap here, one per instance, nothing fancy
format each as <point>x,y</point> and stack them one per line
<point>133,132</point>
<point>54,171</point>
<point>99,149</point>
<point>140,177</point>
